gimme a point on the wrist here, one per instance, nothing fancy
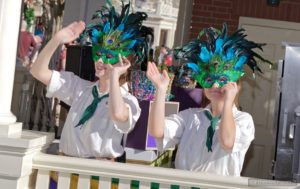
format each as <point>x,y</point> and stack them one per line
<point>114,80</point>
<point>114,76</point>
<point>56,39</point>
<point>161,89</point>
<point>228,104</point>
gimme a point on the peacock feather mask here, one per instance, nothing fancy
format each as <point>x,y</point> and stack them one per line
<point>219,58</point>
<point>114,33</point>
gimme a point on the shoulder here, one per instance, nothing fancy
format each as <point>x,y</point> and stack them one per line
<point>125,92</point>
<point>190,112</point>
<point>73,79</point>
<point>244,120</point>
<point>240,115</point>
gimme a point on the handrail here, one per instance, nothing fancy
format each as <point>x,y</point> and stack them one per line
<point>141,173</point>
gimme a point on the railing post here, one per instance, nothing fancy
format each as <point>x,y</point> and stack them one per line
<point>17,147</point>
<point>16,153</point>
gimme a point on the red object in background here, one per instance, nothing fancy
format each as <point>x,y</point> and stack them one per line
<point>25,43</point>
<point>168,60</point>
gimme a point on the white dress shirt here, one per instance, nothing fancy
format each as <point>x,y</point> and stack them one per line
<point>188,129</point>
<point>100,136</point>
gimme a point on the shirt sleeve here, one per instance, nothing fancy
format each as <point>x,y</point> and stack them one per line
<point>134,112</point>
<point>64,86</point>
<point>244,132</point>
<point>174,128</point>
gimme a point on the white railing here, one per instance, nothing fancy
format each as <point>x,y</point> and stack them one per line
<point>126,173</point>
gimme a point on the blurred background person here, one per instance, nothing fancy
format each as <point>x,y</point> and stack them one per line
<point>27,46</point>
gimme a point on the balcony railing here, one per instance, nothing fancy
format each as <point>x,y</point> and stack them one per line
<point>144,177</point>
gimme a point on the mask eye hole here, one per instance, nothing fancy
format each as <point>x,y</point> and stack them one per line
<point>223,79</point>
<point>208,80</point>
<point>226,66</point>
<point>108,55</point>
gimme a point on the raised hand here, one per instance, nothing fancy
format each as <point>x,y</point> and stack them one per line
<point>160,81</point>
<point>230,91</point>
<point>120,68</point>
<point>70,33</point>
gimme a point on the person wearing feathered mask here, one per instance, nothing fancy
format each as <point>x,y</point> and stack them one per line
<point>216,138</point>
<point>103,111</point>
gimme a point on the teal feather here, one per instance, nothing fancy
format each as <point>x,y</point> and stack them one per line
<point>205,54</point>
<point>235,45</point>
<point>106,28</point>
<point>194,67</point>
<point>131,25</point>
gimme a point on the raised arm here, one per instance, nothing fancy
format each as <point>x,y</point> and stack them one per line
<point>227,126</point>
<point>40,68</point>
<point>117,107</point>
<point>157,114</point>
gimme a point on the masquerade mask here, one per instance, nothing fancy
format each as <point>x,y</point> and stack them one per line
<point>115,33</point>
<point>220,58</point>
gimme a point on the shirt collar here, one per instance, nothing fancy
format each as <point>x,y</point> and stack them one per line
<point>208,108</point>
<point>124,88</point>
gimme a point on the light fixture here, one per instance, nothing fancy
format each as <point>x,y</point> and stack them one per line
<point>273,2</point>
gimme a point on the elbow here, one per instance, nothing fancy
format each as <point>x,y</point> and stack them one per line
<point>227,146</point>
<point>36,72</point>
<point>119,117</point>
<point>155,133</point>
<point>33,71</point>
<point>227,143</point>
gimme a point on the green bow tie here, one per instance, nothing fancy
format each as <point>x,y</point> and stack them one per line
<point>90,110</point>
<point>211,129</point>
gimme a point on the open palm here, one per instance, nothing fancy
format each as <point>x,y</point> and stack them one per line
<point>160,81</point>
<point>71,32</point>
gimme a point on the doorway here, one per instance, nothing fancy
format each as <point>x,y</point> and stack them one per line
<point>257,97</point>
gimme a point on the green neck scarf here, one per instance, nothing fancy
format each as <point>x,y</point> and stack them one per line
<point>90,110</point>
<point>211,129</point>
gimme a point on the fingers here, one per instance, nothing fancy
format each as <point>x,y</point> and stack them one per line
<point>82,24</point>
<point>109,66</point>
<point>230,86</point>
<point>126,61</point>
<point>150,69</point>
<point>77,27</point>
<point>101,61</point>
<point>120,59</point>
<point>165,74</point>
<point>155,68</point>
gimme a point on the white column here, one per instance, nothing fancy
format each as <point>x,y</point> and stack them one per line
<point>16,154</point>
<point>17,147</point>
<point>156,35</point>
<point>158,8</point>
<point>9,30</point>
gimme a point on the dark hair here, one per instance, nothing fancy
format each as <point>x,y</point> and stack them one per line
<point>125,77</point>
